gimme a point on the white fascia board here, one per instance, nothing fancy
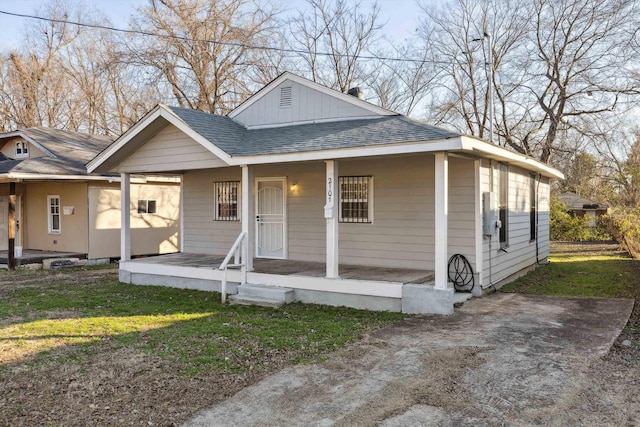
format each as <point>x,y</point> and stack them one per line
<point>124,139</point>
<point>55,177</point>
<point>312,85</point>
<point>19,134</point>
<point>499,153</point>
<point>451,144</point>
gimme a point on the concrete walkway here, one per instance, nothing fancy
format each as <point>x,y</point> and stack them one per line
<point>505,359</point>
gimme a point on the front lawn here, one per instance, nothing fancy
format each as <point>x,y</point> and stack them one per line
<point>80,348</point>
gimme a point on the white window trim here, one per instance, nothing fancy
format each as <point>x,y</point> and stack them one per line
<point>24,148</point>
<point>50,215</point>
<point>504,179</point>
<point>147,207</point>
<point>370,199</point>
<point>238,215</point>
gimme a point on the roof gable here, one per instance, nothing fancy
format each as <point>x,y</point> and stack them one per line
<point>290,99</point>
<point>65,152</point>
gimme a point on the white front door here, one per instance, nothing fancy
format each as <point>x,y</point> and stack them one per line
<point>271,218</point>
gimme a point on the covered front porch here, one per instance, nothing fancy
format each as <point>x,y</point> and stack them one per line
<point>291,234</point>
<point>366,287</point>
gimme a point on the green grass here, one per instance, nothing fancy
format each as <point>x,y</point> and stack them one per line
<point>607,275</point>
<point>69,322</point>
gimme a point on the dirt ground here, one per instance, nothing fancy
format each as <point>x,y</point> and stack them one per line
<point>477,367</point>
<point>505,359</point>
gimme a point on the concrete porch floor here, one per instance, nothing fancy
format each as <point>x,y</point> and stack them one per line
<point>32,256</point>
<point>297,268</point>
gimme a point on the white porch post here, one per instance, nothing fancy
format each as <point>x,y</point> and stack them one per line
<point>477,173</point>
<point>441,219</point>
<point>247,216</point>
<point>125,219</point>
<point>331,216</point>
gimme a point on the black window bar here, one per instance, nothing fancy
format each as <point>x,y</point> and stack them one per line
<point>226,201</point>
<point>354,199</point>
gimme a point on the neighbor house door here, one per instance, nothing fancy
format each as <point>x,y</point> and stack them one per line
<point>271,218</point>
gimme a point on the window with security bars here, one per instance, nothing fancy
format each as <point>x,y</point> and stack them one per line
<point>356,199</point>
<point>226,193</point>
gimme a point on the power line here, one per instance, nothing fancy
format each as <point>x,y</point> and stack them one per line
<point>230,44</point>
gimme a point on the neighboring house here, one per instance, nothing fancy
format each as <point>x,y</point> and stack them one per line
<point>334,200</point>
<point>584,207</point>
<point>60,207</point>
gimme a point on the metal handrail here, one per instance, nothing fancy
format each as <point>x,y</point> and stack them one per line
<point>239,261</point>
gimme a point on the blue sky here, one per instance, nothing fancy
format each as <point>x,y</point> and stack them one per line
<point>400,16</point>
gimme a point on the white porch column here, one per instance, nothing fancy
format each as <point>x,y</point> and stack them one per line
<point>331,216</point>
<point>477,174</point>
<point>125,216</point>
<point>441,219</point>
<point>248,216</point>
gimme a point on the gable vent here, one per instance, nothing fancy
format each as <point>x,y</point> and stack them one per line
<point>285,97</point>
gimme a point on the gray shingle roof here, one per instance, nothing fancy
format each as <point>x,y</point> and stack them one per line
<point>576,202</point>
<point>236,140</point>
<point>72,150</point>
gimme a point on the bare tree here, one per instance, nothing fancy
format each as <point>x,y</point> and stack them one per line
<point>558,68</point>
<point>401,85</point>
<point>205,48</point>
<point>334,35</point>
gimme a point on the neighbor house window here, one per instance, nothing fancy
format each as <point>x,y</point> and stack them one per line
<point>226,193</point>
<point>503,205</point>
<point>356,199</point>
<point>532,207</point>
<point>146,206</point>
<point>53,204</point>
<point>22,150</point>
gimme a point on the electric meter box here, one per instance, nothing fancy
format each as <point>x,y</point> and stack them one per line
<point>490,215</point>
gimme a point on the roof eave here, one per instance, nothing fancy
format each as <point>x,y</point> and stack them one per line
<point>425,146</point>
<point>488,150</point>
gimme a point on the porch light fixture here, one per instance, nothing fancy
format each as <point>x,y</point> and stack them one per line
<point>294,187</point>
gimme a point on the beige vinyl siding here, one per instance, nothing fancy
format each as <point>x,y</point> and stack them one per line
<point>521,252</point>
<point>307,104</point>
<point>170,150</point>
<point>461,231</point>
<point>150,233</point>
<point>401,234</point>
<point>201,233</point>
<point>73,236</point>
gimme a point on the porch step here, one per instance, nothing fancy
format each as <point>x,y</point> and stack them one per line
<point>262,295</point>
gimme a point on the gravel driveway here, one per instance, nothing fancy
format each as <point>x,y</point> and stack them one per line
<point>504,359</point>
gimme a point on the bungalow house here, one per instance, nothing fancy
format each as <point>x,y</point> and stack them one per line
<point>57,207</point>
<point>303,193</point>
<point>584,207</point>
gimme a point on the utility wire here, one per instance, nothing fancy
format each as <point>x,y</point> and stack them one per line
<point>230,44</point>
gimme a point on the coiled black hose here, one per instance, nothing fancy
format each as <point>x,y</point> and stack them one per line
<point>461,273</point>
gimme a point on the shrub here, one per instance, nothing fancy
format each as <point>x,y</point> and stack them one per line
<point>624,225</point>
<point>564,225</point>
